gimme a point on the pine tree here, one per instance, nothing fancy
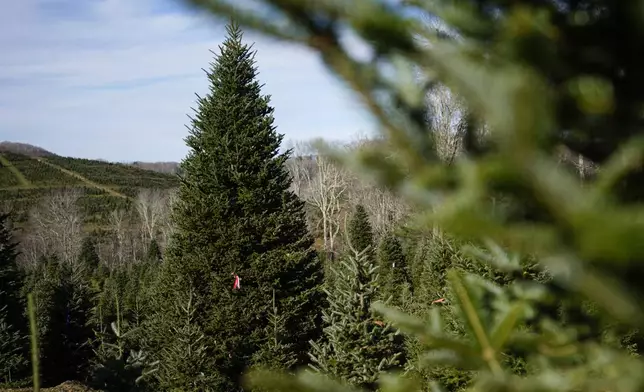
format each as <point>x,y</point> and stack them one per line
<point>88,255</point>
<point>154,251</point>
<point>119,368</point>
<point>276,354</point>
<point>12,359</point>
<point>360,232</point>
<point>10,277</point>
<point>66,341</point>
<point>12,320</point>
<point>63,305</point>
<point>357,345</point>
<point>393,270</point>
<point>235,215</point>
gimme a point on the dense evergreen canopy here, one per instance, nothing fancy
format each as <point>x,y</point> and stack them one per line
<point>235,215</point>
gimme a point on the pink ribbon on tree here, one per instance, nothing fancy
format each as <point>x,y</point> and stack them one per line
<point>236,284</point>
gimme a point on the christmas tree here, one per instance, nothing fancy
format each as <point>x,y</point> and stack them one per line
<point>88,256</point>
<point>358,346</point>
<point>393,270</point>
<point>236,219</point>
<point>13,324</point>
<point>360,232</point>
<point>12,359</point>
<point>10,277</point>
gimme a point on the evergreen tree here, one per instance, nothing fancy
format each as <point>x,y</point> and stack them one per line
<point>154,251</point>
<point>118,366</point>
<point>276,354</point>
<point>235,215</point>
<point>77,333</point>
<point>358,346</point>
<point>394,272</point>
<point>88,255</point>
<point>13,348</point>
<point>360,232</point>
<point>12,359</point>
<point>63,306</point>
<point>10,277</point>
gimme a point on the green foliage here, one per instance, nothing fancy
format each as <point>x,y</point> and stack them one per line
<point>154,251</point>
<point>10,277</point>
<point>235,214</point>
<point>39,173</point>
<point>13,346</point>
<point>123,296</point>
<point>184,363</point>
<point>532,77</point>
<point>119,368</point>
<point>34,346</point>
<point>357,347</point>
<point>18,178</point>
<point>277,351</point>
<point>7,178</point>
<point>96,209</point>
<point>94,203</point>
<point>62,305</point>
<point>115,174</point>
<point>393,271</point>
<point>88,256</point>
<point>359,232</point>
<point>12,354</point>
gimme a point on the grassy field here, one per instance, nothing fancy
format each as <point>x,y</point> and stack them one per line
<point>25,181</point>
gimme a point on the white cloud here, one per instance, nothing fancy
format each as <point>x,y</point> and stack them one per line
<point>115,79</point>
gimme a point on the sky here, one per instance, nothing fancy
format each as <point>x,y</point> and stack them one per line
<point>116,79</point>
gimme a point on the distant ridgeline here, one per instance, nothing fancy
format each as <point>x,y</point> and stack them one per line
<point>29,175</point>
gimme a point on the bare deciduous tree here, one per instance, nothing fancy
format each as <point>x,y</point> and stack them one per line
<point>118,226</point>
<point>446,122</point>
<point>56,226</point>
<point>324,186</point>
<point>166,224</point>
<point>150,206</point>
<point>383,207</point>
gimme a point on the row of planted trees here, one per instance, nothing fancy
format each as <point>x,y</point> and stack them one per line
<point>101,327</point>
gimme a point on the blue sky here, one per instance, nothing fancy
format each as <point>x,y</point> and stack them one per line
<point>115,79</point>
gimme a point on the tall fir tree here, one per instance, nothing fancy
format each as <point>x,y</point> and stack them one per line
<point>360,231</point>
<point>235,216</point>
<point>357,346</point>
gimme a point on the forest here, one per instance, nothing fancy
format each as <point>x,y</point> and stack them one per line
<point>487,238</point>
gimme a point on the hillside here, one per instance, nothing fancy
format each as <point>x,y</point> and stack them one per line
<point>24,148</point>
<point>25,178</point>
<point>161,167</point>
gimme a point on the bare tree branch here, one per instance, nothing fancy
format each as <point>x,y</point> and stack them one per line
<point>56,226</point>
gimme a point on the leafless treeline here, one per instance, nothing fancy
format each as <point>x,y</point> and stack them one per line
<point>331,192</point>
<point>56,227</point>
